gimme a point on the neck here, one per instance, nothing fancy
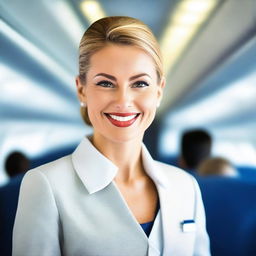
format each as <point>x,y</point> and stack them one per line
<point>125,155</point>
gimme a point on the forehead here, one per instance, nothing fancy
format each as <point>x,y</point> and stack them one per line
<point>122,60</point>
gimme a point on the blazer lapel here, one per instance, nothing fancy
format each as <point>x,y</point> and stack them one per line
<point>176,204</point>
<point>156,237</point>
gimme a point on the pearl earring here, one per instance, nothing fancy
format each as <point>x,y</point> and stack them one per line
<point>158,104</point>
<point>82,104</point>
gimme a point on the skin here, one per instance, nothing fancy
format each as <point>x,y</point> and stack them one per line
<point>123,79</point>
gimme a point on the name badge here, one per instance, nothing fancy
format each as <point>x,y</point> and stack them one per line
<point>188,226</point>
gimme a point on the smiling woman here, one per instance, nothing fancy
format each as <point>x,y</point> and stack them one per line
<point>110,197</point>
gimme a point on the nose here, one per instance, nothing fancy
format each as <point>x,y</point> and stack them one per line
<point>123,99</point>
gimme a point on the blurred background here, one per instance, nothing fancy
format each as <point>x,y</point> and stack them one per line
<point>209,49</point>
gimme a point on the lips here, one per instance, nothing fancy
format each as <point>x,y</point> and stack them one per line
<point>122,119</point>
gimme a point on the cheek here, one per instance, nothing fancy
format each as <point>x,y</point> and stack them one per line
<point>93,106</point>
<point>95,100</point>
<point>149,101</point>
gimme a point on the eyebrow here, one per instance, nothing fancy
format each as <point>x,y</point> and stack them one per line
<point>114,79</point>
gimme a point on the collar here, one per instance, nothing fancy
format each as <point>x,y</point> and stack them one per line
<point>96,171</point>
<point>152,169</point>
<point>93,168</point>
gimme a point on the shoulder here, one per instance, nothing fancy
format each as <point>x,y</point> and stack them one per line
<point>58,167</point>
<point>55,166</point>
<point>56,180</point>
<point>53,174</point>
<point>175,177</point>
<point>173,171</point>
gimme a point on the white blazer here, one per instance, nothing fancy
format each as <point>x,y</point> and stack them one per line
<point>72,207</point>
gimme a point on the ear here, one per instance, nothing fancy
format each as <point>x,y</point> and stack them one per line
<point>80,90</point>
<point>161,89</point>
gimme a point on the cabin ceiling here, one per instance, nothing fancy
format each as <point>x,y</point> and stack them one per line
<point>44,26</point>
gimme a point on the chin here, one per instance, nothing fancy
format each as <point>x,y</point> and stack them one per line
<point>125,137</point>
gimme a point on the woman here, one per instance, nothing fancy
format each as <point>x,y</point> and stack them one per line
<point>110,197</point>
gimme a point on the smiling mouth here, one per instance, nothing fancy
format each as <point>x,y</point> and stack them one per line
<point>122,119</point>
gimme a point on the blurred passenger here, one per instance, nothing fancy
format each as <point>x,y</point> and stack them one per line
<point>195,147</point>
<point>217,166</point>
<point>16,163</point>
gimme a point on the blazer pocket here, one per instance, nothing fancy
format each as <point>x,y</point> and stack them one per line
<point>188,226</point>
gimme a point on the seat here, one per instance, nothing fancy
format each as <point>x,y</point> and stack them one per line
<point>230,206</point>
<point>9,195</point>
<point>247,173</point>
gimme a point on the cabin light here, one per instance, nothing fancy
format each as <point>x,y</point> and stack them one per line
<point>185,18</point>
<point>242,91</point>
<point>197,5</point>
<point>65,14</point>
<point>92,10</point>
<point>182,26</point>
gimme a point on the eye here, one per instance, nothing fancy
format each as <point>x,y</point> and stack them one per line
<point>105,83</point>
<point>140,84</point>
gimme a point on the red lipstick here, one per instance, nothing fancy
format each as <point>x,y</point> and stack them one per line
<point>122,119</point>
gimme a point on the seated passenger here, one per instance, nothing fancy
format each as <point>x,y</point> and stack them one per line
<point>16,163</point>
<point>217,166</point>
<point>195,147</point>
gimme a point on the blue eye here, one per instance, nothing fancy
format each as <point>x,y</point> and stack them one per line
<point>105,83</point>
<point>140,84</point>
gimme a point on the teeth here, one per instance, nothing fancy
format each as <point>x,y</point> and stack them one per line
<point>123,118</point>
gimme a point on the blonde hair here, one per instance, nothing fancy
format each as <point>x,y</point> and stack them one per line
<point>120,30</point>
